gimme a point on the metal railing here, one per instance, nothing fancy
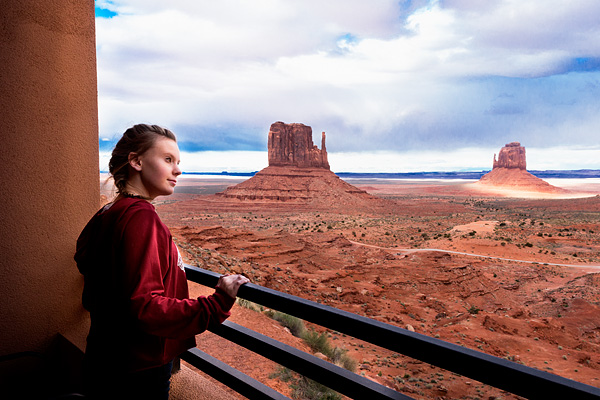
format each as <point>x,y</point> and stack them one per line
<point>498,372</point>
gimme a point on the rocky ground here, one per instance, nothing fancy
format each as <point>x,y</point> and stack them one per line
<point>383,262</point>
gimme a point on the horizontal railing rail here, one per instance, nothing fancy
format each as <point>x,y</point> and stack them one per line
<point>231,377</point>
<point>498,372</point>
<point>331,375</point>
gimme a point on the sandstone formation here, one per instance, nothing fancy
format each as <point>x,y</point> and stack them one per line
<point>509,172</point>
<point>293,184</point>
<point>292,145</point>
<point>511,156</point>
<point>298,173</point>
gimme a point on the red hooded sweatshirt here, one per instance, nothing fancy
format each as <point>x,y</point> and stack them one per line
<point>136,291</point>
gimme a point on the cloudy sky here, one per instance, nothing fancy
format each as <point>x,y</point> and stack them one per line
<point>398,86</point>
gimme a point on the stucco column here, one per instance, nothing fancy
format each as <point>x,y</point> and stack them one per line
<point>49,167</point>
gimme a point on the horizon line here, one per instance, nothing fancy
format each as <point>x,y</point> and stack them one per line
<point>548,173</point>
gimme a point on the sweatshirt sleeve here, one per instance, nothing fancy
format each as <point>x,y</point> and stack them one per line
<point>146,251</point>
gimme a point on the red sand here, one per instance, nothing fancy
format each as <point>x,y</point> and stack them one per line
<point>364,260</point>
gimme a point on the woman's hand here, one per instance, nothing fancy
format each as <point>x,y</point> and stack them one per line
<point>231,283</point>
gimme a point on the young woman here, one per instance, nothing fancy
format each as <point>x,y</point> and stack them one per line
<point>135,285</point>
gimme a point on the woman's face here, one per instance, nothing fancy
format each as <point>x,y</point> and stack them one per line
<point>159,168</point>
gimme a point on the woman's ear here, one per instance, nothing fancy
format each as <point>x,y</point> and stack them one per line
<point>134,161</point>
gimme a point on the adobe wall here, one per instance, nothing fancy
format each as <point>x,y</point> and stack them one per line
<point>49,167</point>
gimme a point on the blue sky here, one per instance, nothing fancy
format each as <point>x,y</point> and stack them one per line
<point>398,86</point>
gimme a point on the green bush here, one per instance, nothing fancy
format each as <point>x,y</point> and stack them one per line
<point>308,389</point>
<point>318,342</point>
<point>284,374</point>
<point>473,310</point>
<point>340,357</point>
<point>304,388</point>
<point>294,324</point>
<point>249,305</point>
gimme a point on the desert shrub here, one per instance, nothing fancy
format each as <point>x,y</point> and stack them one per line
<point>294,324</point>
<point>284,374</point>
<point>249,305</point>
<point>318,342</point>
<point>308,389</point>
<point>473,310</point>
<point>304,388</point>
<point>340,357</point>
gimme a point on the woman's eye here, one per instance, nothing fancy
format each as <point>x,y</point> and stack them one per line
<point>168,159</point>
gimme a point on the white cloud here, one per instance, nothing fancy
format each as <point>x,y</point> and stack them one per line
<point>371,74</point>
<point>465,159</point>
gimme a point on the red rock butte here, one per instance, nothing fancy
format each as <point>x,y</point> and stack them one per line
<point>298,173</point>
<point>511,156</point>
<point>509,171</point>
<point>292,145</point>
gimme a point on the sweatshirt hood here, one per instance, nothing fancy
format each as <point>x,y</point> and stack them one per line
<point>87,244</point>
<point>94,239</point>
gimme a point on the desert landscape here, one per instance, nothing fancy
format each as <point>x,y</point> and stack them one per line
<point>381,264</point>
<point>508,265</point>
<point>509,270</point>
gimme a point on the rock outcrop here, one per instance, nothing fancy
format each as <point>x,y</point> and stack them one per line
<point>298,174</point>
<point>509,173</point>
<point>292,145</point>
<point>511,156</point>
<point>294,184</point>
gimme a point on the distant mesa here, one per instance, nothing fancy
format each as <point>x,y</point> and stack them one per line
<point>509,172</point>
<point>298,173</point>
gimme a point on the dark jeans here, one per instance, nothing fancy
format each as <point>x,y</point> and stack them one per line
<point>149,384</point>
